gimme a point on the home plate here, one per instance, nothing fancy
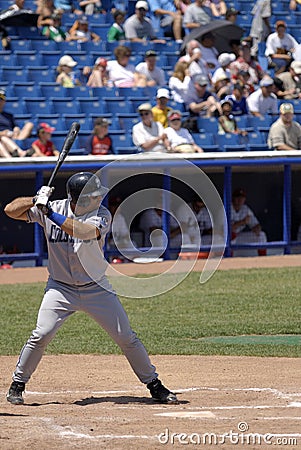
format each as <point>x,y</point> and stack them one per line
<point>189,414</point>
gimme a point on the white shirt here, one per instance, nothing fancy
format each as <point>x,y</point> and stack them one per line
<point>156,75</point>
<point>178,88</point>
<point>210,55</point>
<point>121,76</point>
<point>182,136</point>
<point>258,103</point>
<point>142,134</point>
<point>244,211</point>
<point>273,43</point>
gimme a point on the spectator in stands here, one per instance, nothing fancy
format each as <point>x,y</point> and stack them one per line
<point>227,122</point>
<point>295,5</point>
<point>53,29</point>
<point>160,110</point>
<point>80,31</point>
<point>263,100</point>
<point>43,146</point>
<point>292,81</point>
<point>99,142</point>
<point>238,100</point>
<point>116,31</point>
<point>190,55</point>
<point>121,73</point>
<point>224,60</point>
<point>138,27</point>
<point>198,65</point>
<point>199,101</point>
<point>197,15</point>
<point>246,62</point>
<point>170,18</point>
<point>222,86</point>
<point>67,77</point>
<point>149,135</point>
<point>245,226</point>
<point>45,8</point>
<point>90,7</point>
<point>67,6</point>
<point>231,15</point>
<point>280,46</point>
<point>155,76</point>
<point>181,141</point>
<point>243,77</point>
<point>285,133</point>
<point>209,52</point>
<point>99,75</point>
<point>179,81</point>
<point>260,27</point>
<point>218,8</point>
<point>11,136</point>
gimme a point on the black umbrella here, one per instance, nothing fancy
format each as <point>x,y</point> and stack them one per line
<point>223,31</point>
<point>22,18</point>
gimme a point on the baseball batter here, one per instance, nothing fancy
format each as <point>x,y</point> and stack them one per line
<point>75,230</point>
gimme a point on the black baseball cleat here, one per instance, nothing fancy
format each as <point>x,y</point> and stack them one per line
<point>160,393</point>
<point>14,395</point>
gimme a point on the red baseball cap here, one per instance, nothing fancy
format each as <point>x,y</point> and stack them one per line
<point>45,127</point>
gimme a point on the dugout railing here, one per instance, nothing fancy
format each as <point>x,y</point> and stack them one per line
<point>225,164</point>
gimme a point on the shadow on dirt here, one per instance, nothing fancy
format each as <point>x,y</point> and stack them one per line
<point>122,400</point>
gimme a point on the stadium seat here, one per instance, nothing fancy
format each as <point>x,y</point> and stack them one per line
<point>86,123</point>
<point>82,58</point>
<point>65,105</point>
<point>117,105</point>
<point>172,58</point>
<point>14,73</point>
<point>40,74</point>
<point>26,89</point>
<point>52,89</point>
<point>91,106</point>
<point>121,140</point>
<point>131,150</point>
<point>68,46</point>
<point>255,122</point>
<point>50,58</point>
<point>28,58</point>
<point>127,121</point>
<point>206,141</point>
<point>207,124</point>
<point>101,29</point>
<point>104,91</point>
<point>44,44</point>
<point>37,105</point>
<point>54,120</point>
<point>79,92</point>
<point>91,46</point>
<point>15,106</point>
<point>141,47</point>
<point>229,142</point>
<point>131,92</point>
<point>20,44</point>
<point>8,58</point>
<point>136,101</point>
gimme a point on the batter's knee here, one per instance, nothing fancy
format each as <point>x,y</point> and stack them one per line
<point>41,338</point>
<point>127,340</point>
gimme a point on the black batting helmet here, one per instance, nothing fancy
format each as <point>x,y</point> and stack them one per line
<point>84,184</point>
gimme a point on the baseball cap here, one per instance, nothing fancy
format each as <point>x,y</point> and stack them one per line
<point>142,4</point>
<point>101,62</point>
<point>280,23</point>
<point>286,108</point>
<point>101,121</point>
<point>202,80</point>
<point>67,60</point>
<point>231,12</point>
<point>174,114</point>
<point>266,82</point>
<point>226,58</point>
<point>150,53</point>
<point>2,94</point>
<point>223,102</point>
<point>296,66</point>
<point>145,107</point>
<point>162,92</point>
<point>239,192</point>
<point>45,127</point>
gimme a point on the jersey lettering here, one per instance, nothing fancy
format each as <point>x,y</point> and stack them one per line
<point>58,235</point>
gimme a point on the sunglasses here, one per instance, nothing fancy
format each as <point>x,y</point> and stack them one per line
<point>146,113</point>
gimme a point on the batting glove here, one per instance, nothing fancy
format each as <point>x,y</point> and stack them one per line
<point>42,198</point>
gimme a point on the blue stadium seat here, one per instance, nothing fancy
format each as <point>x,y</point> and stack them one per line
<point>136,58</point>
<point>127,121</point>
<point>136,101</point>
<point>52,89</point>
<point>15,106</point>
<point>8,58</point>
<point>26,89</point>
<point>37,105</point>
<point>177,105</point>
<point>101,29</point>
<point>121,140</point>
<point>91,106</point>
<point>50,58</point>
<point>91,46</point>
<point>206,141</point>
<point>40,74</point>
<point>68,46</point>
<point>54,120</point>
<point>28,58</point>
<point>131,150</point>
<point>78,92</point>
<point>65,105</point>
<point>208,124</point>
<point>20,44</point>
<point>117,105</point>
<point>229,142</point>
<point>82,58</point>
<point>44,44</point>
<point>172,58</point>
<point>255,122</point>
<point>131,92</point>
<point>105,91</point>
<point>86,123</point>
<point>14,73</point>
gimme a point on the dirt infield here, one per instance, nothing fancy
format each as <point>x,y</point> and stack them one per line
<point>95,401</point>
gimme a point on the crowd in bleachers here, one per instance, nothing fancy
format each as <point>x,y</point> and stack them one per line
<point>86,60</point>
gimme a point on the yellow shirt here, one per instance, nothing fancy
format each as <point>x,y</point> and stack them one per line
<point>160,115</point>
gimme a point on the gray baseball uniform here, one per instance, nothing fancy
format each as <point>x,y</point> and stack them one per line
<point>77,282</point>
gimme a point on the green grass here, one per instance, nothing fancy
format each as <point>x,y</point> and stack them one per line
<point>238,302</point>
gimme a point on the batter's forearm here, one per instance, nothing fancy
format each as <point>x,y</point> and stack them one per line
<point>18,208</point>
<point>79,230</point>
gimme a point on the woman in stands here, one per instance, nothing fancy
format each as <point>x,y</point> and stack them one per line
<point>179,80</point>
<point>121,72</point>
